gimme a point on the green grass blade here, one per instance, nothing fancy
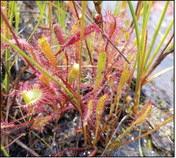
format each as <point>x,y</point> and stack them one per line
<point>17,10</point>
<point>137,89</point>
<point>39,20</point>
<point>137,35</point>
<point>146,14</point>
<point>62,14</point>
<point>40,5</point>
<point>135,23</point>
<point>142,39</point>
<point>156,32</point>
<point>117,8</point>
<point>6,81</point>
<point>159,46</point>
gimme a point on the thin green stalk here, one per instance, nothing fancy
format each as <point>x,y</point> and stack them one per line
<point>137,90</point>
<point>81,42</point>
<point>159,46</point>
<point>41,139</point>
<point>40,17</point>
<point>4,151</point>
<point>6,81</point>
<point>156,32</point>
<point>139,143</point>
<point>146,14</point>
<point>61,14</point>
<point>118,5</point>
<point>135,23</point>
<point>50,16</point>
<point>17,9</point>
<point>139,68</point>
<point>7,52</point>
<point>80,63</point>
<point>40,5</point>
<point>158,60</point>
<point>11,11</point>
<point>136,31</point>
<point>143,43</point>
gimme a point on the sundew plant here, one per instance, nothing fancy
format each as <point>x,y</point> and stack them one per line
<point>72,76</point>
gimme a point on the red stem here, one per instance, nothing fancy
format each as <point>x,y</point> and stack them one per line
<point>92,154</point>
<point>72,149</point>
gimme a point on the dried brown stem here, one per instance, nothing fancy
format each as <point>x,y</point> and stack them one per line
<point>159,59</point>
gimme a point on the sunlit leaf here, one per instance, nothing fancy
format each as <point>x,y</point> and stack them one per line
<point>46,49</point>
<point>73,73</point>
<point>100,69</point>
<point>98,113</point>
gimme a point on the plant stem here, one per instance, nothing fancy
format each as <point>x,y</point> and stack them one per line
<point>84,4</point>
<point>137,90</point>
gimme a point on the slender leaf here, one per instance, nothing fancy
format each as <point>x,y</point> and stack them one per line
<point>100,69</point>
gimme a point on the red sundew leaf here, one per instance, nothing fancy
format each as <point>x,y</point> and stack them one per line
<point>141,115</point>
<point>88,112</point>
<point>59,34</point>
<point>109,23</point>
<point>11,128</point>
<point>75,38</point>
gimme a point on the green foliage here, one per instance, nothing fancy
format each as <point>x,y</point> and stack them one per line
<point>100,69</point>
<point>144,65</point>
